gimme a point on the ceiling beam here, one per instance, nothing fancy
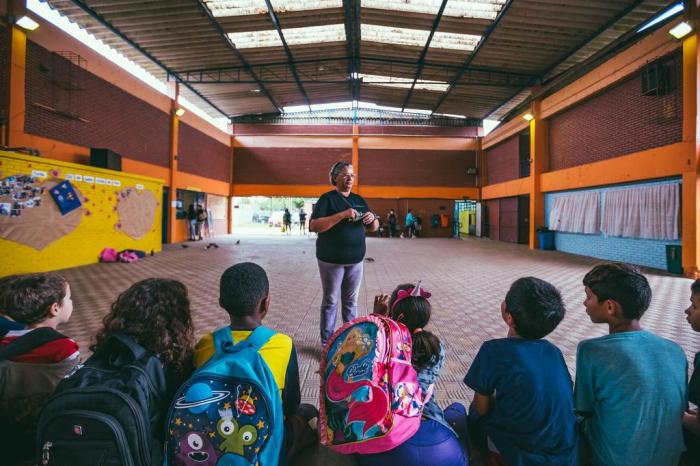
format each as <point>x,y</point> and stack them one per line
<point>388,61</point>
<point>421,60</point>
<point>83,6</point>
<point>472,55</point>
<point>290,57</point>
<point>238,54</point>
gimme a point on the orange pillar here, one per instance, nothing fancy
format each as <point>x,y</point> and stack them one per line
<point>14,124</point>
<point>539,156</point>
<point>690,201</point>
<point>174,133</point>
<point>356,155</point>
<point>229,204</point>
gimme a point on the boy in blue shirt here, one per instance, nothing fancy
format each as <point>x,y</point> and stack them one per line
<point>523,400</point>
<point>691,419</point>
<point>630,384</point>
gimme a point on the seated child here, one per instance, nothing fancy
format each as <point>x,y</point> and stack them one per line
<point>34,357</point>
<point>244,292</point>
<point>691,419</point>
<point>6,322</point>
<point>523,396</point>
<point>435,441</point>
<point>630,384</point>
<point>156,314</point>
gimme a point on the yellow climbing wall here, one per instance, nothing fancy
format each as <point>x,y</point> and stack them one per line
<point>118,210</point>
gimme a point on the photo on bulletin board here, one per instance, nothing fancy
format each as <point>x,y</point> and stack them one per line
<point>29,215</point>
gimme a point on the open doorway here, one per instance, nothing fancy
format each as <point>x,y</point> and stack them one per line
<point>264,215</point>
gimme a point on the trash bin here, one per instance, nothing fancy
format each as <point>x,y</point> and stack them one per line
<point>673,258</point>
<point>546,239</point>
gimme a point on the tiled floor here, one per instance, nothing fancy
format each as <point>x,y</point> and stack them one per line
<point>468,280</point>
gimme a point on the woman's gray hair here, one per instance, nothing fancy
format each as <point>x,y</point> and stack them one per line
<point>335,171</point>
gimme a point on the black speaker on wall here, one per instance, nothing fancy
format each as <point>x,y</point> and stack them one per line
<point>105,158</point>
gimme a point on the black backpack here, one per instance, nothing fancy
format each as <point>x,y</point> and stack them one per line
<point>109,412</point>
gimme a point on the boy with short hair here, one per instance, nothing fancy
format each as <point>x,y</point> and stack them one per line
<point>244,292</point>
<point>630,384</point>
<point>33,359</point>
<point>523,395</point>
<point>691,418</point>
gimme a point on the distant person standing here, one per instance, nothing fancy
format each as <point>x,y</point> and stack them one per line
<point>302,221</point>
<point>201,220</point>
<point>391,219</point>
<point>192,222</point>
<point>287,221</point>
<point>408,228</point>
<point>341,219</point>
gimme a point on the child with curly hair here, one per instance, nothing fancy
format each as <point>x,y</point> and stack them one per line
<point>156,314</point>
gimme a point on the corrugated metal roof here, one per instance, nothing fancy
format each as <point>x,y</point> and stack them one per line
<point>488,52</point>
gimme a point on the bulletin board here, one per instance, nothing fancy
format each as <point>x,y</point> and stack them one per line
<point>55,215</point>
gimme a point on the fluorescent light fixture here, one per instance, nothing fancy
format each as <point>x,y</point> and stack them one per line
<point>222,8</point>
<point>293,36</point>
<point>681,30</point>
<point>483,9</point>
<point>451,115</point>
<point>180,111</point>
<point>391,81</point>
<point>418,37</point>
<point>672,10</point>
<point>529,116</point>
<point>25,22</point>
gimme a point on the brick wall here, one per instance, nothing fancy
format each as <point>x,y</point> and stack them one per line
<point>404,167</point>
<point>616,122</point>
<point>502,161</point>
<point>113,118</point>
<point>645,252</point>
<point>286,165</point>
<point>202,155</point>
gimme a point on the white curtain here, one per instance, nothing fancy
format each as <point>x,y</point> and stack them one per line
<point>576,213</point>
<point>646,212</point>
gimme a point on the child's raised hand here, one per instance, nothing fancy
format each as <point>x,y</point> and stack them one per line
<point>381,304</point>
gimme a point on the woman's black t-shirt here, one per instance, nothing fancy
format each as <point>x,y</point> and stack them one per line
<point>345,242</point>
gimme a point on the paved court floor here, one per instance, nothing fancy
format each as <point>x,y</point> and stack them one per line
<point>468,279</point>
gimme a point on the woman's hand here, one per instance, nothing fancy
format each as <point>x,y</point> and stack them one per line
<point>381,304</point>
<point>368,218</point>
<point>350,214</point>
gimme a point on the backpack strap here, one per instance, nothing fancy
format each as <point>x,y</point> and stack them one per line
<point>223,343</point>
<point>29,341</point>
<point>257,338</point>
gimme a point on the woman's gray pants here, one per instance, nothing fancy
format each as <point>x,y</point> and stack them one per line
<point>343,280</point>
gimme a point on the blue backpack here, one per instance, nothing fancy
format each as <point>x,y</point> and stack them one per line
<point>229,413</point>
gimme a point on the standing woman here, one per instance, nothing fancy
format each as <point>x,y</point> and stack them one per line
<point>341,219</point>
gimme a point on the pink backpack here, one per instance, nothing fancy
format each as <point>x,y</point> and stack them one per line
<point>108,255</point>
<point>370,399</point>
